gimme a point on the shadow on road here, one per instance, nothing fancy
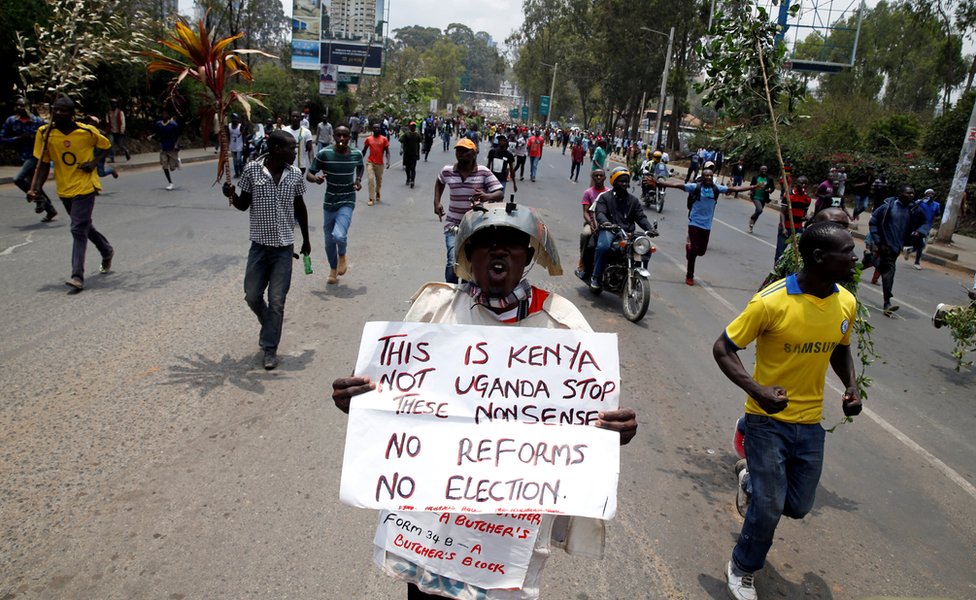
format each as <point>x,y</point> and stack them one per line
<point>963,379</point>
<point>769,583</point>
<point>340,291</point>
<point>206,375</point>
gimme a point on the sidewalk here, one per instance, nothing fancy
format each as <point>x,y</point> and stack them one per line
<point>959,256</point>
<point>149,159</point>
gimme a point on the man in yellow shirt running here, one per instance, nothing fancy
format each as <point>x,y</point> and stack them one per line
<point>801,324</point>
<point>75,149</point>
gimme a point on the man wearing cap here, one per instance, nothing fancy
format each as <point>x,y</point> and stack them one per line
<point>616,206</point>
<point>497,246</point>
<point>75,149</point>
<point>410,143</point>
<point>470,184</point>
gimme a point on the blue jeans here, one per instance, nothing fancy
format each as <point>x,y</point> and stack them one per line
<point>785,461</point>
<point>335,227</point>
<point>533,166</point>
<point>781,238</point>
<point>23,180</point>
<point>603,242</point>
<point>860,205</point>
<point>268,268</point>
<point>80,209</point>
<point>449,275</point>
<point>238,160</point>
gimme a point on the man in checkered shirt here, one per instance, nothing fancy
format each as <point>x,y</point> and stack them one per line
<point>273,189</point>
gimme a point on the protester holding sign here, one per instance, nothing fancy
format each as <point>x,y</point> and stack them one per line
<point>495,245</point>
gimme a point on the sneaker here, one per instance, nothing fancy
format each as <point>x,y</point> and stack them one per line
<point>170,187</point>
<point>750,226</point>
<point>595,286</point>
<point>106,265</point>
<point>917,267</point>
<point>127,156</point>
<point>370,203</point>
<point>76,283</point>
<point>39,206</point>
<point>115,174</point>
<point>890,309</point>
<point>411,185</point>
<point>689,281</point>
<point>270,360</point>
<point>740,587</point>
<point>49,217</point>
<point>937,318</point>
<point>741,495</point>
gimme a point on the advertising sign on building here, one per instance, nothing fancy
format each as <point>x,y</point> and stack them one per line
<point>328,80</point>
<point>347,34</point>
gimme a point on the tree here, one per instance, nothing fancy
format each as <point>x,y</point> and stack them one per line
<point>201,56</point>
<point>443,62</point>
<point>62,56</point>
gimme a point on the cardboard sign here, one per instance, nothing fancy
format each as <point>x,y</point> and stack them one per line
<point>483,420</point>
<point>489,551</point>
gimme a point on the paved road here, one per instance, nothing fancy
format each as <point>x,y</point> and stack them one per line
<point>147,455</point>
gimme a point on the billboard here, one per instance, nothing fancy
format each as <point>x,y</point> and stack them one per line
<point>328,80</point>
<point>344,33</point>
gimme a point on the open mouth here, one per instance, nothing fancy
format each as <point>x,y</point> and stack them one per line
<point>498,267</point>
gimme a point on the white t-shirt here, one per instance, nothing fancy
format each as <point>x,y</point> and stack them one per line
<point>302,135</point>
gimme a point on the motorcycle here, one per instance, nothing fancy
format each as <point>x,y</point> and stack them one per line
<point>654,195</point>
<point>625,271</point>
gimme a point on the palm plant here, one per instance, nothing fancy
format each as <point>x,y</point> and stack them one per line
<point>212,62</point>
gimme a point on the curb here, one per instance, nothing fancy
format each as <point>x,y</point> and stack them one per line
<point>941,258</point>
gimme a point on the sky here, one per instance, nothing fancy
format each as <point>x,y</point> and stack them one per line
<point>498,17</point>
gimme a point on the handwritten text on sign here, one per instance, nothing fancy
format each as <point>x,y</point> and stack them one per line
<point>454,423</point>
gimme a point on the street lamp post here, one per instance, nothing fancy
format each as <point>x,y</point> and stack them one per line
<point>552,89</point>
<point>664,81</point>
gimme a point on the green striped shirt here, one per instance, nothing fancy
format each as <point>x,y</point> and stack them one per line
<point>340,175</point>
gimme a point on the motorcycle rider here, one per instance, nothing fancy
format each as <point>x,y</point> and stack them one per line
<point>653,168</point>
<point>616,206</point>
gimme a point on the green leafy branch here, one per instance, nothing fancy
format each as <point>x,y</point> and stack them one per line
<point>961,321</point>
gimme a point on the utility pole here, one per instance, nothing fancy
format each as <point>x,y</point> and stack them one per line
<point>951,214</point>
<point>552,89</point>
<point>664,82</point>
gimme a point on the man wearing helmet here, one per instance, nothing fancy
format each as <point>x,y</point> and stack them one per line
<point>495,248</point>
<point>654,167</point>
<point>615,206</point>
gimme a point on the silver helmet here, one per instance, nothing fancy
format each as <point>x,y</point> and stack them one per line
<point>521,218</point>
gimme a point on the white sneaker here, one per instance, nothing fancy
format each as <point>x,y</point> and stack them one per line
<point>741,496</point>
<point>917,267</point>
<point>739,588</point>
<point>170,187</point>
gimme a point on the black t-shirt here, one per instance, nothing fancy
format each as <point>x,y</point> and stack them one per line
<point>500,161</point>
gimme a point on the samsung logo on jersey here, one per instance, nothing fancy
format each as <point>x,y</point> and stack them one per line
<point>809,347</point>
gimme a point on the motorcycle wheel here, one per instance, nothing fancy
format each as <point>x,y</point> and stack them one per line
<point>660,203</point>
<point>637,297</point>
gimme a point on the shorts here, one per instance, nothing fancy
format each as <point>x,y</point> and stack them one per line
<point>170,159</point>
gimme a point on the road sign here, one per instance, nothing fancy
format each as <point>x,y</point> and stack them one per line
<point>525,113</point>
<point>544,106</point>
<point>513,114</point>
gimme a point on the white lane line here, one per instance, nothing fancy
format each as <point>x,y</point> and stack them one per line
<point>912,445</point>
<point>745,233</point>
<point>10,250</point>
<point>872,289</point>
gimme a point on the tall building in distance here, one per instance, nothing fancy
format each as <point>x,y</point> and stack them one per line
<point>355,19</point>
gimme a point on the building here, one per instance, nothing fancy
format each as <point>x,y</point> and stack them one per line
<point>355,19</point>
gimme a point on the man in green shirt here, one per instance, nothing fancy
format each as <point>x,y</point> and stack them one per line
<point>763,186</point>
<point>342,168</point>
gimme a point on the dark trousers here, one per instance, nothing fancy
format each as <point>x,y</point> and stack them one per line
<point>692,173</point>
<point>82,231</point>
<point>410,166</point>
<point>268,268</point>
<point>520,166</point>
<point>574,170</point>
<point>887,259</point>
<point>23,180</point>
<point>696,246</point>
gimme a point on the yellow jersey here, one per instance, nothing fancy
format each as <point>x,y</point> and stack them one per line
<point>67,152</point>
<point>795,335</point>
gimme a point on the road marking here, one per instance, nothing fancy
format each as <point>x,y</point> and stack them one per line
<point>863,287</point>
<point>912,445</point>
<point>10,250</point>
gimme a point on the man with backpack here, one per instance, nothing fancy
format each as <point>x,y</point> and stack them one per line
<point>702,198</point>
<point>892,227</point>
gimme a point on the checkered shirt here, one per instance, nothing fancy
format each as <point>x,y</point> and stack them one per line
<point>272,206</point>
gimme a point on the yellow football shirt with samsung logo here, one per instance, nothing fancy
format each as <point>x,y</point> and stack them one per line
<point>795,334</point>
<point>68,151</point>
